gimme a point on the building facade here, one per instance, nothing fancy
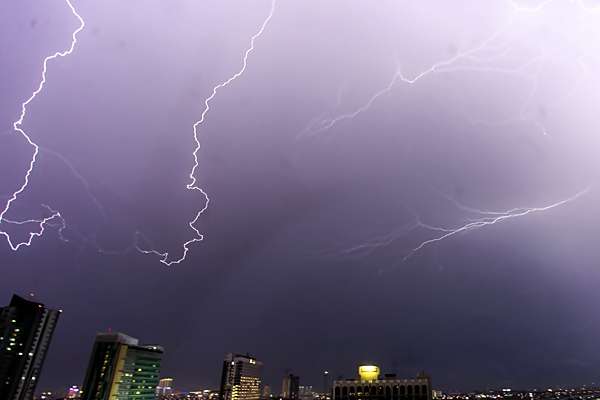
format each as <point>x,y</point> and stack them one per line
<point>290,387</point>
<point>326,383</point>
<point>240,378</point>
<point>370,386</point>
<point>121,369</point>
<point>306,393</point>
<point>26,329</point>
<point>164,388</point>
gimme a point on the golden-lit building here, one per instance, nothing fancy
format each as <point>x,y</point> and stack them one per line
<point>240,379</point>
<point>371,386</point>
<point>368,372</point>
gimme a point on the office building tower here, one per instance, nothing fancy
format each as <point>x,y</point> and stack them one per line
<point>326,383</point>
<point>240,378</point>
<point>26,329</point>
<point>121,369</point>
<point>164,388</point>
<point>370,386</point>
<point>290,387</point>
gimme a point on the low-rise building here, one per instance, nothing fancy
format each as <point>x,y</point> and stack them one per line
<point>371,386</point>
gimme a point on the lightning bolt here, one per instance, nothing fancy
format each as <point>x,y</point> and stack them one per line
<point>448,65</point>
<point>80,178</point>
<point>485,218</point>
<point>386,240</point>
<point>314,128</point>
<point>398,76</point>
<point>468,60</point>
<point>36,149</point>
<point>42,223</point>
<point>493,218</point>
<point>540,60</point>
<point>164,257</point>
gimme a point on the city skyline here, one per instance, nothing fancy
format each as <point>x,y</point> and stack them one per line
<point>117,361</point>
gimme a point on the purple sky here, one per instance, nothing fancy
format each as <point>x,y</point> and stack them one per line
<point>318,171</point>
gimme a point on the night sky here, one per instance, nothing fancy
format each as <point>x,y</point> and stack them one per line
<point>323,174</point>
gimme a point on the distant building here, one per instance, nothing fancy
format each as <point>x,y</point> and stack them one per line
<point>26,329</point>
<point>326,383</point>
<point>205,394</point>
<point>290,387</point>
<point>240,378</point>
<point>370,386</point>
<point>73,393</point>
<point>266,392</point>
<point>121,369</point>
<point>46,396</point>
<point>306,393</point>
<point>164,388</point>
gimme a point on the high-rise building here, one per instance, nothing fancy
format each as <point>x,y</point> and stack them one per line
<point>290,387</point>
<point>326,383</point>
<point>240,379</point>
<point>164,388</point>
<point>26,329</point>
<point>121,369</point>
<point>370,386</point>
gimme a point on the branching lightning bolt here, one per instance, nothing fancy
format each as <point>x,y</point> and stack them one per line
<point>80,178</point>
<point>55,215</point>
<point>314,128</point>
<point>164,257</point>
<point>468,60</point>
<point>399,76</point>
<point>386,240</point>
<point>494,218</point>
<point>484,218</point>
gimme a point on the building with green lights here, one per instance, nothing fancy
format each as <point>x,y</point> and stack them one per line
<point>121,369</point>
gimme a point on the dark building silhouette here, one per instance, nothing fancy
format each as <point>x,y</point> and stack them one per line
<point>120,368</point>
<point>290,387</point>
<point>26,329</point>
<point>240,378</point>
<point>326,383</point>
